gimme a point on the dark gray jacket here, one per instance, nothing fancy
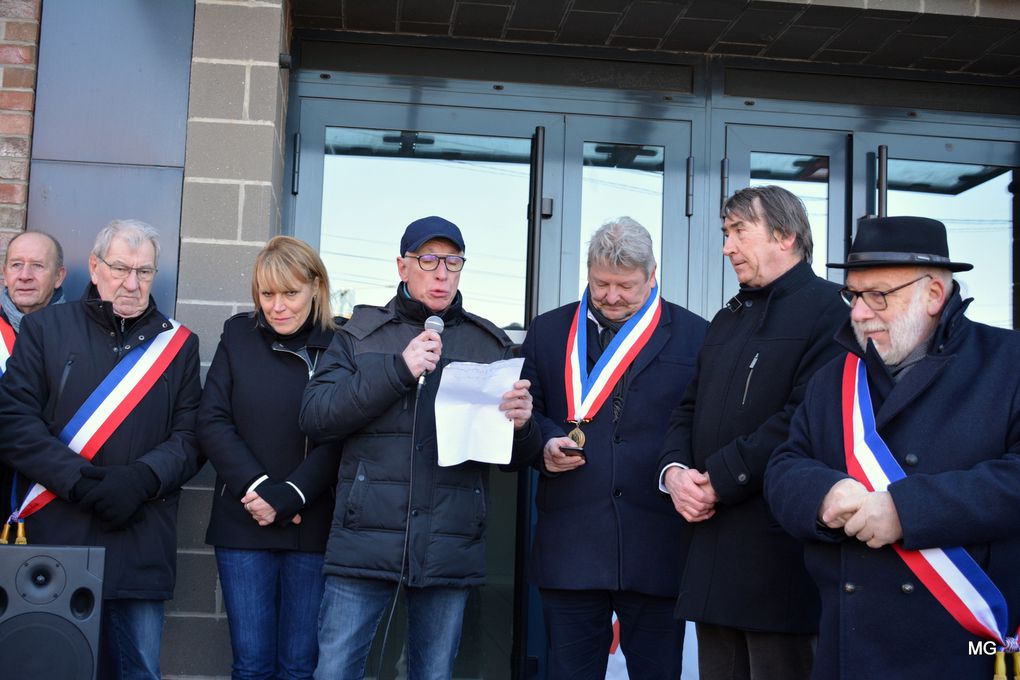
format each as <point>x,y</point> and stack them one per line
<point>389,477</point>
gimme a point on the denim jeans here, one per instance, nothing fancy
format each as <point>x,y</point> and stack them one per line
<point>272,599</point>
<point>130,633</point>
<point>352,609</point>
<point>579,626</point>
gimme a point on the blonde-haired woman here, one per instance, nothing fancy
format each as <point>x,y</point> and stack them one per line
<point>273,500</point>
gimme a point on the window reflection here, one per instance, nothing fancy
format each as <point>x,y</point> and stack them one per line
<point>976,206</point>
<point>375,182</point>
<point>618,180</point>
<point>807,177</point>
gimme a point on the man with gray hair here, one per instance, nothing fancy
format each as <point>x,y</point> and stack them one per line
<point>744,582</point>
<point>603,372</point>
<point>98,410</point>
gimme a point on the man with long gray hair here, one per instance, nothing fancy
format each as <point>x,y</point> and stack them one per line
<point>744,582</point>
<point>604,542</point>
<point>98,409</point>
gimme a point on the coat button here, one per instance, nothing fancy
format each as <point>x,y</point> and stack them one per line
<point>910,459</point>
<point>849,588</point>
<point>478,491</point>
<point>617,492</point>
<point>414,513</point>
<point>361,478</point>
<point>748,303</point>
<point>141,337</point>
<point>907,588</point>
<point>616,439</point>
<point>742,478</point>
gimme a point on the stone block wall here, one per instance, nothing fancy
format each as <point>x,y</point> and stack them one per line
<point>230,208</point>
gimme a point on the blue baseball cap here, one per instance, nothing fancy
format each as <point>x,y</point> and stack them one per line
<point>428,228</point>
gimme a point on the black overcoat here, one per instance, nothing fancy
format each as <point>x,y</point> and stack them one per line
<point>742,569</point>
<point>953,423</point>
<point>62,354</point>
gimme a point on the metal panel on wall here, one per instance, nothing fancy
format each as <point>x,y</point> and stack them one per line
<point>113,81</point>
<point>73,201</point>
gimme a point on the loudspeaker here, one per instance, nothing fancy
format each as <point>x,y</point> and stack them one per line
<point>51,600</point>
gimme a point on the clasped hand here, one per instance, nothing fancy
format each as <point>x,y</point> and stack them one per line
<point>868,516</point>
<point>692,493</point>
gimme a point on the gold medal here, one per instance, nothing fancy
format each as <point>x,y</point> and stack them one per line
<point>577,436</point>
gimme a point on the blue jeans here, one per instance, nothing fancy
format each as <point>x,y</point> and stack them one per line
<point>352,609</point>
<point>130,632</point>
<point>579,626</point>
<point>272,599</point>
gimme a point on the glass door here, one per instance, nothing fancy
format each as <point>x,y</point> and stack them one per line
<point>630,167</point>
<point>967,185</point>
<point>361,173</point>
<point>812,164</point>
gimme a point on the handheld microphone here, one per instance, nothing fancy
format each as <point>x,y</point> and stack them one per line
<point>433,323</point>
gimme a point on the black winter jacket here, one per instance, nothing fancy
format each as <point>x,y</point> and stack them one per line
<point>364,393</point>
<point>62,354</point>
<point>248,427</point>
<point>742,569</point>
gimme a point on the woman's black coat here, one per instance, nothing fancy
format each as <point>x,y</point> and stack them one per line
<point>248,427</point>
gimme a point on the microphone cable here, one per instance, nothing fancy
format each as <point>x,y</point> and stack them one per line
<point>407,530</point>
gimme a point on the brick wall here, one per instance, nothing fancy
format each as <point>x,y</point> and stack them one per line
<point>19,41</point>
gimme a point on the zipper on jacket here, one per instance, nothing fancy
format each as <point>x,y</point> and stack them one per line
<point>64,375</point>
<point>747,383</point>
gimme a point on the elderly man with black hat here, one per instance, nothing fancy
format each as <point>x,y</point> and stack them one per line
<point>902,470</point>
<point>400,518</point>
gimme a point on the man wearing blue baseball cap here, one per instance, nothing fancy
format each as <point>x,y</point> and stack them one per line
<point>902,470</point>
<point>400,518</point>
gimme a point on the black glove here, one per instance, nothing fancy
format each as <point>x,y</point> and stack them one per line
<point>120,491</point>
<point>81,489</point>
<point>283,497</point>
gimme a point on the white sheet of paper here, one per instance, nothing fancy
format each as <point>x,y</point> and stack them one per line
<point>469,424</point>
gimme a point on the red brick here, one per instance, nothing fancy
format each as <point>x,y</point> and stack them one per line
<point>15,123</point>
<point>13,193</point>
<point>16,101</point>
<point>20,9</point>
<point>17,54</point>
<point>14,147</point>
<point>12,217</point>
<point>5,239</point>
<point>21,31</point>
<point>13,168</point>
<point>18,77</point>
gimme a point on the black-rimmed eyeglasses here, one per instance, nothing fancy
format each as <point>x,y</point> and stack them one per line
<point>429,262</point>
<point>122,271</point>
<point>874,299</point>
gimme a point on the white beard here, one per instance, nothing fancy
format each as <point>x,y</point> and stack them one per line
<point>906,332</point>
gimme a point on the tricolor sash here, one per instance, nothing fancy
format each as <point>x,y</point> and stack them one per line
<point>950,574</point>
<point>111,402</point>
<point>7,338</point>
<point>587,392</point>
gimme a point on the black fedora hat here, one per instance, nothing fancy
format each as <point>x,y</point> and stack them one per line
<point>900,242</point>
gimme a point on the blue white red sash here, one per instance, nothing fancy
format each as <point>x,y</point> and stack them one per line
<point>7,338</point>
<point>111,402</point>
<point>587,392</point>
<point>950,574</point>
